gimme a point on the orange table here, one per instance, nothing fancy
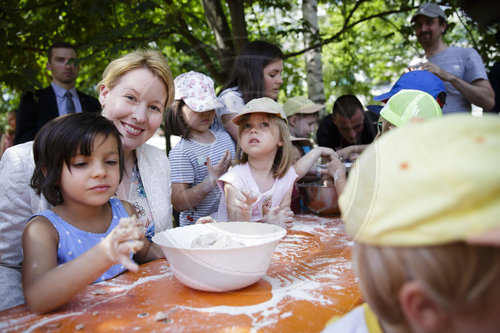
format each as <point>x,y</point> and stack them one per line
<point>310,280</point>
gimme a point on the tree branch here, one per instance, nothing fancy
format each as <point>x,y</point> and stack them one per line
<point>344,29</point>
<point>199,47</point>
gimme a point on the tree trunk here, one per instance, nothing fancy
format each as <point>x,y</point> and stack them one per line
<point>314,67</point>
<point>239,24</point>
<point>217,21</point>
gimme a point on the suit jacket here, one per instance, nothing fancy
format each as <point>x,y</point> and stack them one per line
<point>35,110</point>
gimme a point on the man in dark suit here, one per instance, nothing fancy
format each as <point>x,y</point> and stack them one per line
<point>61,97</point>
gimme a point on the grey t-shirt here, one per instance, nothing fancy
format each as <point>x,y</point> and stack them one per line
<point>464,63</point>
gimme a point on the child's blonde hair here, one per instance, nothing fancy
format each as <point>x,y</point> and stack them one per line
<point>457,276</point>
<point>284,156</point>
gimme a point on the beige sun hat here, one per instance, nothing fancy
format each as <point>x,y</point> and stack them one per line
<point>265,105</point>
<point>428,183</point>
<point>300,104</point>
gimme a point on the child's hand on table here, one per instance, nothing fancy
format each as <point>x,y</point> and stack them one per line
<point>279,216</point>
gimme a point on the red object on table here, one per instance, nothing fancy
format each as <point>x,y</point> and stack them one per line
<point>310,279</point>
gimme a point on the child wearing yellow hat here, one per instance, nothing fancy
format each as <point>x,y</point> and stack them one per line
<point>423,206</point>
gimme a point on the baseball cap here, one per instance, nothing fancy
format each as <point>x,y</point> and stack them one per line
<point>197,91</point>
<point>418,80</point>
<point>408,104</point>
<point>429,10</point>
<point>264,104</point>
<point>427,183</point>
<point>300,104</point>
<point>374,108</point>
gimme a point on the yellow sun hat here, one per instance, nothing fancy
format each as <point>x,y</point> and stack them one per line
<point>427,183</point>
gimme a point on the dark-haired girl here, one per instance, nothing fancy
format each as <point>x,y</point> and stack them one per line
<point>87,236</point>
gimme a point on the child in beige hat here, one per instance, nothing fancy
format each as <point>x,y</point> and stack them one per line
<point>423,206</point>
<point>260,184</point>
<point>302,115</point>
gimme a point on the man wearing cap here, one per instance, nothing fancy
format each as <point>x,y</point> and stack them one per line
<point>461,69</point>
<point>348,125</point>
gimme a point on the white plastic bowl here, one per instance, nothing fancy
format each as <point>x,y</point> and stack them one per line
<point>220,269</point>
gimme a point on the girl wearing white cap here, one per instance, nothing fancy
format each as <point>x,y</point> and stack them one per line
<point>203,154</point>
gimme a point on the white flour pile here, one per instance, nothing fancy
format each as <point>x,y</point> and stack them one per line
<point>216,241</point>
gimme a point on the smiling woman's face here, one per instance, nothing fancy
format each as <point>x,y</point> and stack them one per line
<point>135,105</point>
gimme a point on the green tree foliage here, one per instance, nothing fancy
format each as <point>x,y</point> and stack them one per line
<point>364,43</point>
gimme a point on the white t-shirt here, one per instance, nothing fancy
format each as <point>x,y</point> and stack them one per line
<point>233,104</point>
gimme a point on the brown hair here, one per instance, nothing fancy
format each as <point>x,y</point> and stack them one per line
<point>174,121</point>
<point>346,106</point>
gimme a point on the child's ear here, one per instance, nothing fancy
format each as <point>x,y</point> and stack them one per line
<point>44,171</point>
<point>292,120</point>
<point>420,310</point>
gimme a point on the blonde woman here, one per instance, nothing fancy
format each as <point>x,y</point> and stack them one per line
<point>134,92</point>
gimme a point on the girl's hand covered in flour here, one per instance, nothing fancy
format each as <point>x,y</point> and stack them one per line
<point>125,238</point>
<point>278,216</point>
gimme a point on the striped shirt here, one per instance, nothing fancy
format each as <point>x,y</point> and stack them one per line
<point>188,165</point>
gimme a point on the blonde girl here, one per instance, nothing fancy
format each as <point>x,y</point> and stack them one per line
<point>259,187</point>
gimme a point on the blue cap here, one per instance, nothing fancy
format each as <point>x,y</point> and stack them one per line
<point>416,80</point>
<point>374,108</point>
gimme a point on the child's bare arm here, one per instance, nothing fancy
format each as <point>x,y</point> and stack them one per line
<point>336,169</point>
<point>185,197</point>
<point>304,164</point>
<point>48,286</point>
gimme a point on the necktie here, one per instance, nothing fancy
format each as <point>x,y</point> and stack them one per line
<point>70,106</point>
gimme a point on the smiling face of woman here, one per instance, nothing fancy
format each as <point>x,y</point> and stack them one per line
<point>135,105</point>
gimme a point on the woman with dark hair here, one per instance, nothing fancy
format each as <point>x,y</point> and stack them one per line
<point>256,74</point>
